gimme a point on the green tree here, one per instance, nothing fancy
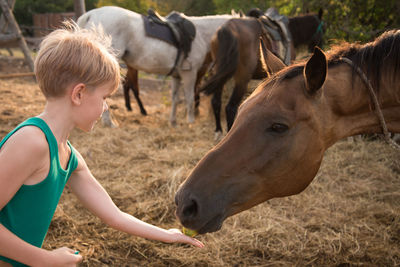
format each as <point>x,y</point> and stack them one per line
<point>192,7</point>
<point>351,20</point>
<point>356,20</point>
<point>225,6</point>
<point>139,6</point>
<point>24,9</point>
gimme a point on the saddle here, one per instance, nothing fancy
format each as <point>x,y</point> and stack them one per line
<point>277,27</point>
<point>174,29</point>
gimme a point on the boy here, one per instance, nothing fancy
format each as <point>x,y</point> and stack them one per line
<point>76,72</point>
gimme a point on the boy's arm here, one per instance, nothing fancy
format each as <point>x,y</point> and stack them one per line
<point>17,165</point>
<point>21,157</point>
<point>93,196</point>
<point>15,248</point>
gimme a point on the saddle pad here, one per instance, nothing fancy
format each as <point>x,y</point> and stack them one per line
<point>161,32</point>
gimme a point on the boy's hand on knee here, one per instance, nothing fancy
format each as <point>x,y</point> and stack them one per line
<point>179,237</point>
<point>63,257</point>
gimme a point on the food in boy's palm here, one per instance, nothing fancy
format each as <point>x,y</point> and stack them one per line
<point>189,232</point>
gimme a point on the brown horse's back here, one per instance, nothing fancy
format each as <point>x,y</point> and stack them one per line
<point>236,53</point>
<point>248,32</point>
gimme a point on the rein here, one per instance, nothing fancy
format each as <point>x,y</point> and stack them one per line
<point>318,30</point>
<point>376,103</point>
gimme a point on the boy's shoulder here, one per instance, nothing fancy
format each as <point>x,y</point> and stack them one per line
<point>29,139</point>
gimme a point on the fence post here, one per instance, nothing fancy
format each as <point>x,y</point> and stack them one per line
<point>9,16</point>
<point>79,8</point>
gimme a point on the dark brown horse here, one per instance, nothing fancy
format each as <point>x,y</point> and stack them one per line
<point>234,50</point>
<point>311,37</point>
<point>297,25</point>
<point>278,140</point>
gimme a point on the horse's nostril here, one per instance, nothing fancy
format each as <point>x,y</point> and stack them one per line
<point>190,210</point>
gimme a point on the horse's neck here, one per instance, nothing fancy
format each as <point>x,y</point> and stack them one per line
<point>206,26</point>
<point>352,109</point>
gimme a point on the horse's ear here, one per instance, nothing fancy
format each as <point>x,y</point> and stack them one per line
<point>315,71</point>
<point>320,13</point>
<point>270,62</point>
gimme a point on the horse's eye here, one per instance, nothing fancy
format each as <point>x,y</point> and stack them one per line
<point>278,128</point>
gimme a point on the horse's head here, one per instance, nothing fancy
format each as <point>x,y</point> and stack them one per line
<point>317,37</point>
<point>307,30</point>
<point>274,149</point>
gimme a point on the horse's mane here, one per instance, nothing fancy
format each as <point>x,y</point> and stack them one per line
<point>376,58</point>
<point>303,27</point>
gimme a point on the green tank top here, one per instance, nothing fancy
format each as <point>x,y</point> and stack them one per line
<point>28,214</point>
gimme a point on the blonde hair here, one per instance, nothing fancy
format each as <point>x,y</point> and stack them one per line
<point>74,55</point>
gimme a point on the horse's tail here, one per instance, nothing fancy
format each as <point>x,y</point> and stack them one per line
<point>226,61</point>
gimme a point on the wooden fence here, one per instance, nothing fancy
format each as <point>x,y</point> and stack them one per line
<point>45,23</point>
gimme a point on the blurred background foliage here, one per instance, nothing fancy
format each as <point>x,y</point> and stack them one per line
<point>350,20</point>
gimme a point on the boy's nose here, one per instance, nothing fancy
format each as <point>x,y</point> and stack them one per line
<point>105,106</point>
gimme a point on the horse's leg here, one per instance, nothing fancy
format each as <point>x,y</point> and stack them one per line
<point>126,86</point>
<point>216,105</point>
<point>135,89</point>
<point>175,99</point>
<point>196,103</point>
<point>107,119</point>
<point>131,82</point>
<point>231,108</point>
<point>189,80</point>
<point>200,74</point>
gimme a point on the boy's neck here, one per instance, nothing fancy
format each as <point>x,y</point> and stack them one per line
<point>57,116</point>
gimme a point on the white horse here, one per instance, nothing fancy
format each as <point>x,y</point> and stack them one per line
<point>153,55</point>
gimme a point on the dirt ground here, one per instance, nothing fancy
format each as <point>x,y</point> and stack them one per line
<point>348,216</point>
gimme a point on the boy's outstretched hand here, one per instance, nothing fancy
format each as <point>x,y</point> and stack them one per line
<point>64,257</point>
<point>178,236</point>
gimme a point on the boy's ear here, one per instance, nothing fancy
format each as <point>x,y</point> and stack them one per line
<point>77,93</point>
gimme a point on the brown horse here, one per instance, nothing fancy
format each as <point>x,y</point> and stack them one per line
<point>131,82</point>
<point>277,142</point>
<point>234,50</point>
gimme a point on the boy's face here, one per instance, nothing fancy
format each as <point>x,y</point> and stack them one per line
<point>93,105</point>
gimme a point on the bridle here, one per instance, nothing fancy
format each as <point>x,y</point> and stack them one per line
<point>318,30</point>
<point>376,103</point>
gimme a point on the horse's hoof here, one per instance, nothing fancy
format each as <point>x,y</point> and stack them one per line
<point>172,123</point>
<point>396,138</point>
<point>110,123</point>
<point>190,120</point>
<point>144,113</point>
<point>218,136</point>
